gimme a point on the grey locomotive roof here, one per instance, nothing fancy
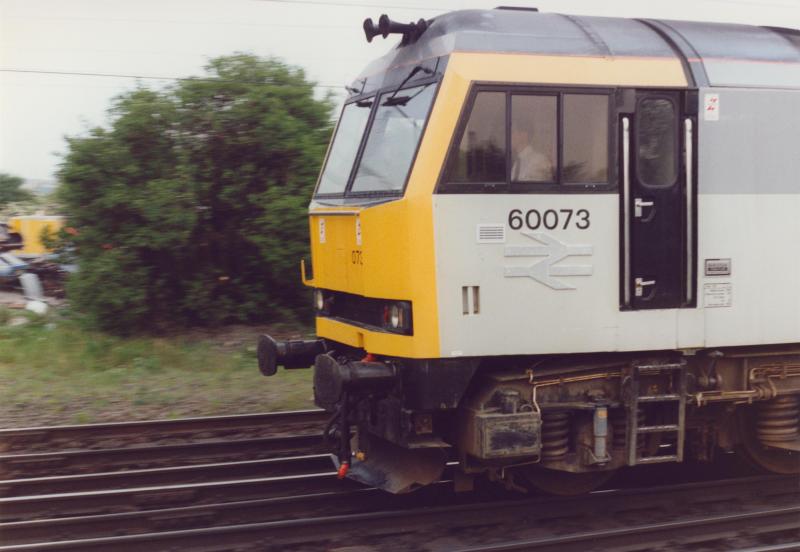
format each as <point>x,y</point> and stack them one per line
<point>715,54</point>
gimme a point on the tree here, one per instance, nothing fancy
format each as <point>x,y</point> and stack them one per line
<point>190,208</point>
<point>11,190</point>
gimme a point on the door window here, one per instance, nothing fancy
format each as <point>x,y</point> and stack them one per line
<point>657,142</point>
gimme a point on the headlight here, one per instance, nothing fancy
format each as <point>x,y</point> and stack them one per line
<point>399,316</point>
<point>395,317</point>
<point>319,300</point>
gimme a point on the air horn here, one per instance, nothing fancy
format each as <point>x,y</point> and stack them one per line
<point>385,27</point>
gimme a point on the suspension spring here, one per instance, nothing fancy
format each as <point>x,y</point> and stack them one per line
<point>555,435</point>
<point>778,420</point>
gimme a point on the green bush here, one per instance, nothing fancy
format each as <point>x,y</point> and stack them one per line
<point>190,208</point>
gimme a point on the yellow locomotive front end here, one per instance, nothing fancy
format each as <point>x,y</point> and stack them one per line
<point>373,273</point>
<point>371,224</point>
<point>373,276</point>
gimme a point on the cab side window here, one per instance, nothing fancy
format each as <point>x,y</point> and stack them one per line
<point>531,140</point>
<point>481,153</point>
<point>534,150</point>
<point>585,138</point>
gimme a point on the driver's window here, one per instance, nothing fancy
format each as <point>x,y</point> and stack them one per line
<point>481,153</point>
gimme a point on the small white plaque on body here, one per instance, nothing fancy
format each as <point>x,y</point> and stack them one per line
<point>718,267</point>
<point>711,107</point>
<point>358,231</point>
<point>321,230</point>
<point>717,295</point>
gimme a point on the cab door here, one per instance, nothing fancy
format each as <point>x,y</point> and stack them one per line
<point>658,206</point>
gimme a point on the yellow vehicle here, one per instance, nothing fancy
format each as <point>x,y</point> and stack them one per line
<point>31,227</point>
<point>552,246</point>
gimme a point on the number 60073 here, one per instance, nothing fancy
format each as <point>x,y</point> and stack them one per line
<point>549,219</point>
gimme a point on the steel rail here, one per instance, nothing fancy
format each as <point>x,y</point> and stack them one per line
<point>148,456</point>
<point>55,436</point>
<point>681,533</point>
<point>793,546</point>
<point>144,498</point>
<point>541,513</point>
<point>273,467</point>
<point>140,499</point>
<point>230,513</point>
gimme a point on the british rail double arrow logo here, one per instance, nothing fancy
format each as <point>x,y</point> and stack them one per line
<point>545,270</point>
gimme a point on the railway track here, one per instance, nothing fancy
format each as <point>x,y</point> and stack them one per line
<point>53,473</point>
<point>740,512</point>
<point>288,497</point>
<point>65,450</point>
<point>142,498</point>
<point>175,475</point>
<point>151,456</point>
<point>338,501</point>
<point>684,534</point>
<point>109,435</point>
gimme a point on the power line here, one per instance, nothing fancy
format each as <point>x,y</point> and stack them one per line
<point>759,4</point>
<point>352,5</point>
<point>146,77</point>
<point>180,22</point>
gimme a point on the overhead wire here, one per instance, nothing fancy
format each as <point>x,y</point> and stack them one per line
<point>179,22</point>
<point>204,79</point>
<point>148,77</point>
<point>759,4</point>
<point>353,5</point>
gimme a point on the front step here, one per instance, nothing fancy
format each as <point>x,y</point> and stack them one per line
<point>642,377</point>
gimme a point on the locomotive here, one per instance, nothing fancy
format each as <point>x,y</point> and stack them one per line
<point>550,246</point>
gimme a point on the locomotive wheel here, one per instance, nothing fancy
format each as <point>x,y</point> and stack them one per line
<point>562,483</point>
<point>768,459</point>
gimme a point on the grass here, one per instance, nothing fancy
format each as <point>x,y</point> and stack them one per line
<point>52,371</point>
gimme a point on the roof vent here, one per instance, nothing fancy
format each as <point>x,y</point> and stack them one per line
<point>517,8</point>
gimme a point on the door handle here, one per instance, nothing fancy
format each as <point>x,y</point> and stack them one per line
<point>626,207</point>
<point>689,162</point>
<point>640,284</point>
<point>638,205</point>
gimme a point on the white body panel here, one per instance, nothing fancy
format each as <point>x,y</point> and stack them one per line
<point>520,315</point>
<point>749,184</point>
<point>759,233</point>
<point>748,212</point>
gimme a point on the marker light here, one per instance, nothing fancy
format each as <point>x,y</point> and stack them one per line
<point>319,300</point>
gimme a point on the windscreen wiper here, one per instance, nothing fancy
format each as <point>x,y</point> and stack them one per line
<point>356,91</point>
<point>394,99</point>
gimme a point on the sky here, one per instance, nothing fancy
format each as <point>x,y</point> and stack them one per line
<point>42,39</point>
